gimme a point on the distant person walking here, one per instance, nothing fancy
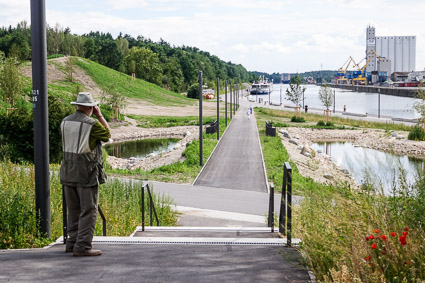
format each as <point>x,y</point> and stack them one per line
<point>345,108</point>
<point>250,109</point>
<point>306,108</point>
<point>248,114</point>
<point>82,172</point>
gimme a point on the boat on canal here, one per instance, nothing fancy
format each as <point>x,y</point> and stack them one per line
<point>263,86</point>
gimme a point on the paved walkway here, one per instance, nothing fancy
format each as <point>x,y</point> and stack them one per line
<point>237,162</point>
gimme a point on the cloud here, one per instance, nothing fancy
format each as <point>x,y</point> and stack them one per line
<point>127,4</point>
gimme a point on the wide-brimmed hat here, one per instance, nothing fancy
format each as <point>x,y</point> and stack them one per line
<point>85,99</point>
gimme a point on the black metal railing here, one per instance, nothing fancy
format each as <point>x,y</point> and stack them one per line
<point>65,217</point>
<point>152,210</point>
<point>285,216</point>
<point>271,208</point>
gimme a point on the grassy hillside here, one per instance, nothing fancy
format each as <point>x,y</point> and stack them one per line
<point>107,78</point>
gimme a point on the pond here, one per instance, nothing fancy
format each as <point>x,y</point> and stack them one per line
<point>380,167</point>
<point>140,148</point>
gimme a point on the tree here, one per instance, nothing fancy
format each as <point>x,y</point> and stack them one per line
<point>147,64</point>
<point>114,99</point>
<point>69,68</point>
<point>326,96</point>
<point>11,81</point>
<point>419,105</point>
<point>295,92</point>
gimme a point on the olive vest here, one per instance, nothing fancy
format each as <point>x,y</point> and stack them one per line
<point>81,167</point>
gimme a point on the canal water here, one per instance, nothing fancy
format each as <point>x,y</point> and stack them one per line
<point>355,102</point>
<point>140,148</point>
<point>379,167</point>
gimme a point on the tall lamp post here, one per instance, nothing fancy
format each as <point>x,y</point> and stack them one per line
<point>225,101</point>
<point>218,108</point>
<point>201,162</point>
<point>41,120</point>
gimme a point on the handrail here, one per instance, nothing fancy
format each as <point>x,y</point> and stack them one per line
<point>271,208</point>
<point>285,216</point>
<point>65,217</point>
<point>151,207</point>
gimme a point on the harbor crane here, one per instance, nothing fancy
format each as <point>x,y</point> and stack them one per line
<point>341,75</point>
<point>359,76</point>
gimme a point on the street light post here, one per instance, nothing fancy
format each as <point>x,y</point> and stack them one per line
<point>218,108</point>
<point>225,102</point>
<point>41,120</point>
<point>201,162</point>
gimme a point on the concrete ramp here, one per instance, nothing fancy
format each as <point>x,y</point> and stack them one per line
<point>237,163</point>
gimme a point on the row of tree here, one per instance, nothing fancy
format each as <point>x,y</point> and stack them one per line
<point>175,68</point>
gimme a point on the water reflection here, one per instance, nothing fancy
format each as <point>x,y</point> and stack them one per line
<point>140,148</point>
<point>381,167</point>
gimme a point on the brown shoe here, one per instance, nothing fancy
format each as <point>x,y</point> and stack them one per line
<point>69,250</point>
<point>90,252</point>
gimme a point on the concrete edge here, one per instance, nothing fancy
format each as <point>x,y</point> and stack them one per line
<point>194,241</point>
<point>216,146</point>
<point>209,229</point>
<point>262,157</point>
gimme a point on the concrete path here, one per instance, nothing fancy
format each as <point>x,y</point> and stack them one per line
<point>237,162</point>
<point>155,263</point>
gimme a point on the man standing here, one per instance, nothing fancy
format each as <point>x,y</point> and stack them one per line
<point>82,171</point>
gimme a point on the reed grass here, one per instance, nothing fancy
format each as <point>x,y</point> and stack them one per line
<point>120,202</point>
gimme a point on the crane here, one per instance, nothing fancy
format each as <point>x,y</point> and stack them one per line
<point>360,73</point>
<point>341,75</point>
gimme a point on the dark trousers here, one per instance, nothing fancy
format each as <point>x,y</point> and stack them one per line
<point>82,212</point>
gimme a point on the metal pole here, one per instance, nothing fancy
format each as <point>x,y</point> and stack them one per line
<point>41,120</point>
<point>143,208</point>
<point>201,162</point>
<point>231,94</point>
<point>379,103</point>
<point>289,206</point>
<point>218,108</point>
<point>334,101</point>
<point>271,207</point>
<point>225,102</point>
<point>282,214</point>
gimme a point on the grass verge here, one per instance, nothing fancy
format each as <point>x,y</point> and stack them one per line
<point>284,116</point>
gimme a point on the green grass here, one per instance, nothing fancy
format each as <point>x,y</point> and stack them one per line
<point>168,121</point>
<point>417,134</point>
<point>106,78</point>
<point>284,116</point>
<point>119,201</point>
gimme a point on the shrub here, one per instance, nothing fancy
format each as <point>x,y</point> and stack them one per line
<point>297,119</point>
<point>329,124</point>
<point>17,132</point>
<point>193,91</point>
<point>321,123</point>
<point>417,134</point>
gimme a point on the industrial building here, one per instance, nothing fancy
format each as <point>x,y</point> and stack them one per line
<point>398,53</point>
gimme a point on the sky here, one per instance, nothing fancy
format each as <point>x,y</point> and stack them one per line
<point>263,35</point>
